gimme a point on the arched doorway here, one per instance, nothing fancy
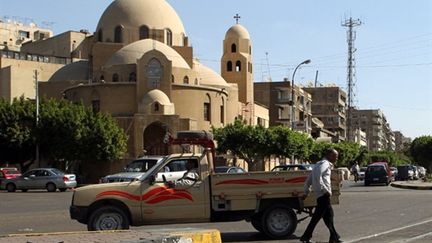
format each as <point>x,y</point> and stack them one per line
<point>153,139</point>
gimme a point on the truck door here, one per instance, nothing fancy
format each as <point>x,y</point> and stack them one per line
<point>181,204</point>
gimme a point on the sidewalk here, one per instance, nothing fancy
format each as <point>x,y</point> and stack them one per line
<point>415,185</point>
<point>187,235</point>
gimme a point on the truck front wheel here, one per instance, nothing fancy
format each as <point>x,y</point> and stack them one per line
<point>279,221</point>
<point>108,218</point>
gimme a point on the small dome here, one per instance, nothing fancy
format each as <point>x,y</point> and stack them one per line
<point>156,95</point>
<point>129,54</point>
<point>72,72</point>
<point>208,77</point>
<point>237,31</point>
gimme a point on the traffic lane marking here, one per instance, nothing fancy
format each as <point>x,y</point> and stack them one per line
<point>370,237</point>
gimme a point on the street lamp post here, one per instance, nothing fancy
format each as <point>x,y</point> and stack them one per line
<point>292,94</point>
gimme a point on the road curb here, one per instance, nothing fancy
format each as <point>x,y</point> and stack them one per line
<point>414,187</point>
<point>131,236</point>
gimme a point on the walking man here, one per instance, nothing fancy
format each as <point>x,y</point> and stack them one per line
<point>320,181</point>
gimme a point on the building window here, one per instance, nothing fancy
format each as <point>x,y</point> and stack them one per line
<point>207,109</point>
<point>169,37</point>
<point>222,112</point>
<point>154,71</point>
<point>118,35</point>
<point>156,107</point>
<point>96,106</point>
<point>233,48</point>
<point>229,66</point>
<point>238,66</point>
<point>100,35</point>
<point>172,79</point>
<point>144,32</point>
<point>196,81</point>
<point>250,50</point>
<point>115,77</point>
<point>186,80</point>
<point>132,77</point>
<point>102,79</point>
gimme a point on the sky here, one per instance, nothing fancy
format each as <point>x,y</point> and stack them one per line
<point>393,44</point>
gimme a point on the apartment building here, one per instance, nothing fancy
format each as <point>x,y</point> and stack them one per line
<point>328,105</point>
<point>14,33</point>
<point>277,97</point>
<point>401,141</point>
<point>374,123</point>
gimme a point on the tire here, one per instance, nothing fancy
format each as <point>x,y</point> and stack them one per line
<point>51,187</point>
<point>10,187</point>
<point>63,189</point>
<point>108,218</point>
<point>279,221</point>
<point>194,134</point>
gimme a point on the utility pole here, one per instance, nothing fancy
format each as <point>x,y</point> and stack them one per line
<point>351,36</point>
<point>37,114</point>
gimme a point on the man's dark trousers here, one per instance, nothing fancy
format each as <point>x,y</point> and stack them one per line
<point>323,210</point>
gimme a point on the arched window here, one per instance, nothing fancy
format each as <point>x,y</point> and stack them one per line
<point>156,106</point>
<point>169,37</point>
<point>222,111</point>
<point>132,77</point>
<point>250,67</point>
<point>186,80</point>
<point>144,32</point>
<point>172,79</point>
<point>207,109</point>
<point>238,66</point>
<point>229,66</point>
<point>118,35</point>
<point>102,79</point>
<point>115,77</point>
<point>233,48</point>
<point>196,81</point>
<point>100,35</point>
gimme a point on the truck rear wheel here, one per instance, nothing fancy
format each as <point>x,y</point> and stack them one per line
<point>279,221</point>
<point>108,218</point>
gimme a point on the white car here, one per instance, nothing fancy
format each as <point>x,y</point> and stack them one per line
<point>137,168</point>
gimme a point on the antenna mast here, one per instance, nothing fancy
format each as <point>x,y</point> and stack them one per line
<point>351,36</point>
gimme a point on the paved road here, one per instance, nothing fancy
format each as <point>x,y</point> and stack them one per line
<point>366,214</point>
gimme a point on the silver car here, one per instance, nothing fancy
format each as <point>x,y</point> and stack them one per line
<point>50,179</point>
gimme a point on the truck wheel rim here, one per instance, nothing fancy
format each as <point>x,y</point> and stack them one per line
<point>279,220</point>
<point>109,221</point>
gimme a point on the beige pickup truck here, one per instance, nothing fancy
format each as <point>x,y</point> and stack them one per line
<point>269,200</point>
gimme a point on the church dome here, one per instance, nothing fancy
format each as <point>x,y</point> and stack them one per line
<point>156,95</point>
<point>238,32</point>
<point>76,71</point>
<point>133,14</point>
<point>132,52</point>
<point>208,77</point>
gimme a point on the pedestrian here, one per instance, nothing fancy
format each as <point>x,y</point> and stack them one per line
<point>355,169</point>
<point>319,179</point>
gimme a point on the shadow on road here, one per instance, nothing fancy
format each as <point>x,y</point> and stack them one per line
<point>250,237</point>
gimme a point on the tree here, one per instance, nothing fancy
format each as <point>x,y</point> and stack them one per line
<point>17,132</point>
<point>66,132</point>
<point>250,143</point>
<point>421,151</point>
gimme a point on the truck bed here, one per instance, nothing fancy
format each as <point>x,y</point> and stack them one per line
<point>243,190</point>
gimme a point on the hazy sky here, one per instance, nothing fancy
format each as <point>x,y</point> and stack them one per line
<point>394,44</point>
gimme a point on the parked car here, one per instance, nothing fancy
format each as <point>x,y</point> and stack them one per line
<point>139,167</point>
<point>405,172</point>
<point>415,172</point>
<point>229,169</point>
<point>362,173</point>
<point>292,167</point>
<point>378,173</point>
<point>422,171</point>
<point>394,170</point>
<point>9,173</point>
<point>50,179</point>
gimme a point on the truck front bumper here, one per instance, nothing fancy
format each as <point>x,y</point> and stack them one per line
<point>78,213</point>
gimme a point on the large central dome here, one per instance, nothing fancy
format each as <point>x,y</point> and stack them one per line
<point>132,14</point>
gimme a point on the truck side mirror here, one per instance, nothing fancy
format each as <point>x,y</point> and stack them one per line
<point>152,179</point>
